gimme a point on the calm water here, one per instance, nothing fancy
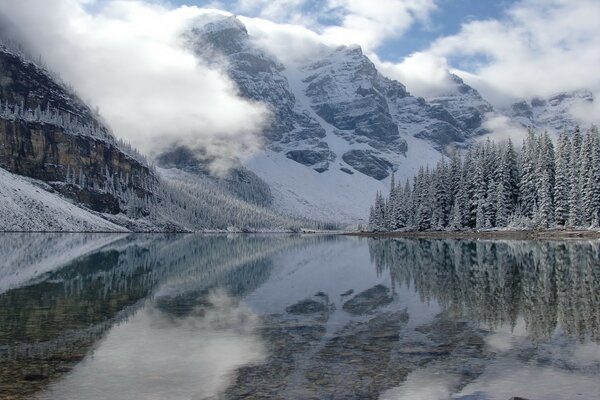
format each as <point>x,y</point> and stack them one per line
<point>294,317</point>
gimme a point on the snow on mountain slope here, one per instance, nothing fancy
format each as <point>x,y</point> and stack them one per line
<point>465,104</point>
<point>340,192</point>
<point>554,113</point>
<point>333,195</point>
<point>26,206</point>
<point>339,128</point>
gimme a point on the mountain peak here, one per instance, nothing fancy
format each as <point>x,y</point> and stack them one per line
<point>213,32</point>
<point>221,23</point>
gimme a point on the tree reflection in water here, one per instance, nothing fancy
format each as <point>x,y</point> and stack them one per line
<point>552,285</point>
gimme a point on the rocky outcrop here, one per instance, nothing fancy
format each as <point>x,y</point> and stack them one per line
<point>90,171</point>
<point>258,77</point>
<point>465,104</point>
<point>342,92</point>
<point>554,112</point>
<point>48,133</point>
<point>368,163</point>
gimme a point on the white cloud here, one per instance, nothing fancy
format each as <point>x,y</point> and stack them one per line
<point>368,24</point>
<point>502,128</point>
<point>424,73</point>
<point>343,22</point>
<point>541,48</point>
<point>129,60</point>
<point>287,11</point>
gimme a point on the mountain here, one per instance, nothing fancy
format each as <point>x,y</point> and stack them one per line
<point>554,112</point>
<point>465,104</point>
<point>61,169</point>
<point>338,131</point>
<point>339,128</point>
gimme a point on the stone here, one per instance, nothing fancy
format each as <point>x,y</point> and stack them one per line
<point>368,300</point>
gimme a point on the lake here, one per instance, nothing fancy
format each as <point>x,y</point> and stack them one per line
<point>117,316</point>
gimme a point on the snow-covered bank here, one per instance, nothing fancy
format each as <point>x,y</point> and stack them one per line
<point>27,205</point>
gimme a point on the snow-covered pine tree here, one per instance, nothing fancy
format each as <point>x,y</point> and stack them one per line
<point>575,206</point>
<point>562,181</point>
<point>528,181</point>
<point>592,202</point>
<point>586,170</point>
<point>423,200</point>
<point>545,180</point>
<point>440,202</point>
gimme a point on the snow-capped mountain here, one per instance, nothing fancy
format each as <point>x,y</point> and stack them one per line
<point>61,169</point>
<point>465,104</point>
<point>338,131</point>
<point>339,127</point>
<point>554,113</point>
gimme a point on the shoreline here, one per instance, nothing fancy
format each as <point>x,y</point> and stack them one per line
<point>530,234</point>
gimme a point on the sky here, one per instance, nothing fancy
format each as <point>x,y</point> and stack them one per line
<point>508,50</point>
<point>445,19</point>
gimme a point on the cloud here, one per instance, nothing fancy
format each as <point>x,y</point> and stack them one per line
<point>541,48</point>
<point>503,128</point>
<point>342,22</point>
<point>129,59</point>
<point>424,73</point>
<point>368,25</point>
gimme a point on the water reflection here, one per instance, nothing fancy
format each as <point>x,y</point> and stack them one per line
<point>160,356</point>
<point>284,316</point>
<point>60,302</point>
<point>549,284</point>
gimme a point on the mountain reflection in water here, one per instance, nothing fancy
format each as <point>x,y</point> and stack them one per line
<point>291,316</point>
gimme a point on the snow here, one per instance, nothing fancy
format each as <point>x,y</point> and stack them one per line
<point>333,194</point>
<point>25,205</point>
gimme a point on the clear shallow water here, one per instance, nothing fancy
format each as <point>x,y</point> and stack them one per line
<point>273,316</point>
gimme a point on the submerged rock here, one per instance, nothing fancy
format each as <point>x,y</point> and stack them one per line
<point>369,300</point>
<point>306,306</point>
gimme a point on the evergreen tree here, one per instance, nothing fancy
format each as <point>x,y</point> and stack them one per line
<point>561,185</point>
<point>490,188</point>
<point>575,209</point>
<point>528,181</point>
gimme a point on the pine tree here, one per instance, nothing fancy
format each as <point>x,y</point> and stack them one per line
<point>545,180</point>
<point>575,210</point>
<point>528,181</point>
<point>561,185</point>
<point>587,172</point>
<point>592,202</point>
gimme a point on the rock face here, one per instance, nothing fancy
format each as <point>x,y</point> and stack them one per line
<point>465,104</point>
<point>48,133</point>
<point>259,77</point>
<point>347,91</point>
<point>325,109</point>
<point>368,163</point>
<point>554,112</point>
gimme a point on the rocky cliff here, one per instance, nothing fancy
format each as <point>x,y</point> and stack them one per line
<point>337,110</point>
<point>554,112</point>
<point>48,133</point>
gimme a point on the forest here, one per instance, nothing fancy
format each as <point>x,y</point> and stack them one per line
<point>543,185</point>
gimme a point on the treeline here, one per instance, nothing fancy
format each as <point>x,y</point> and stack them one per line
<point>495,186</point>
